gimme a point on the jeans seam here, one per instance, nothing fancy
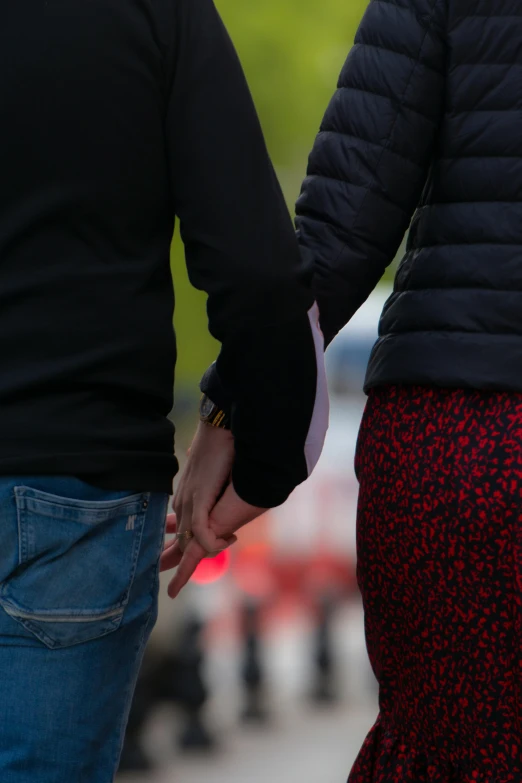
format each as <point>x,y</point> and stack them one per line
<point>137,550</point>
<point>21,546</point>
<point>140,650</point>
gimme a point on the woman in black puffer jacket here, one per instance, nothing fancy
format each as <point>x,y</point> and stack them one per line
<point>427,124</point>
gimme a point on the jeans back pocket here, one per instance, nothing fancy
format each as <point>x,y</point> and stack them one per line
<point>77,561</point>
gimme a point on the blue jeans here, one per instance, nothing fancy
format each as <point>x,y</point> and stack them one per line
<point>78,600</point>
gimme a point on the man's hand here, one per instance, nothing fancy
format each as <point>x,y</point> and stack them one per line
<point>204,479</point>
<point>213,522</point>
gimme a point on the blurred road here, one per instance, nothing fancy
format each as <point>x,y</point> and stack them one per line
<point>313,744</point>
<point>315,747</point>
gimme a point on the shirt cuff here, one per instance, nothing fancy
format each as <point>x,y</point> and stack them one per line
<point>212,387</point>
<point>260,484</point>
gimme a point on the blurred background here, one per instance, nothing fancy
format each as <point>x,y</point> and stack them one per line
<point>259,669</point>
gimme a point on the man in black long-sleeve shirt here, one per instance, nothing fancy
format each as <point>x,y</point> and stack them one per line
<point>115,118</point>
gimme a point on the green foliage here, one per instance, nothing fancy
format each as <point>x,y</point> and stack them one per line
<point>292,52</point>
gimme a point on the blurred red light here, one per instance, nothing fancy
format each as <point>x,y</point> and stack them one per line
<point>252,570</point>
<point>210,570</point>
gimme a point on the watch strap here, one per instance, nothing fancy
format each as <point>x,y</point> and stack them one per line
<point>218,419</point>
<point>212,414</point>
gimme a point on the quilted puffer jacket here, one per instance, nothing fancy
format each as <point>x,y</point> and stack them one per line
<point>425,129</point>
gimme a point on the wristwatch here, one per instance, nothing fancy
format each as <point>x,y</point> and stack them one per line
<point>210,413</point>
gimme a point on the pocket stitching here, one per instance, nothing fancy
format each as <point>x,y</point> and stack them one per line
<point>95,512</point>
<point>24,491</point>
<point>47,617</point>
<point>52,643</point>
<point>137,549</point>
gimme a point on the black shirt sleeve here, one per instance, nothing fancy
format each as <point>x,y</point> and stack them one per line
<point>241,249</point>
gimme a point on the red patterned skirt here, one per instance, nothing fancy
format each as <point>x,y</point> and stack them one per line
<point>440,570</point>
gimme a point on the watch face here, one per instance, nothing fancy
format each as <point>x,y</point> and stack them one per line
<point>207,408</point>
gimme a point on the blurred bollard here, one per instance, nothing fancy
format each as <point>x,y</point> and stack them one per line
<point>325,689</point>
<point>192,693</point>
<point>252,671</point>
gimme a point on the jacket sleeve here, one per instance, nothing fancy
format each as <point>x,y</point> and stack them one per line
<point>240,249</point>
<point>371,157</point>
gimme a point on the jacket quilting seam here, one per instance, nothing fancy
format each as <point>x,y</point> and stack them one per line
<point>413,58</point>
<point>365,141</point>
<point>390,98</point>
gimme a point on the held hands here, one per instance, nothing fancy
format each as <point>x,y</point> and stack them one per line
<point>205,504</point>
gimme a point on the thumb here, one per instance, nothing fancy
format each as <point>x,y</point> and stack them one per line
<point>231,513</point>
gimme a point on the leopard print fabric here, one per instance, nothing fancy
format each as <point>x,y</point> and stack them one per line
<point>440,570</point>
